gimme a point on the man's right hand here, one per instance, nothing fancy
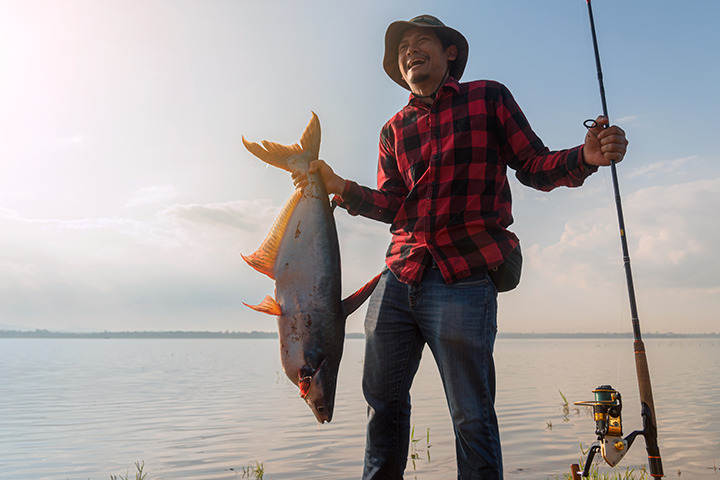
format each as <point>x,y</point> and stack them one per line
<point>334,184</point>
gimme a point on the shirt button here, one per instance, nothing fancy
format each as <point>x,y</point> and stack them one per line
<point>434,183</point>
<point>435,133</point>
<point>436,156</point>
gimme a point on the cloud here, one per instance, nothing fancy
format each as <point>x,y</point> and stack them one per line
<point>90,230</point>
<point>672,236</point>
<point>180,265</point>
<point>9,214</point>
<point>249,215</point>
<point>23,274</point>
<point>626,120</point>
<point>150,195</point>
<point>574,260</point>
<point>665,166</point>
<point>243,221</point>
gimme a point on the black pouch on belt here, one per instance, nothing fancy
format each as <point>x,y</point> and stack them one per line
<point>506,276</point>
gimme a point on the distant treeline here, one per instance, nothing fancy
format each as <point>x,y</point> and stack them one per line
<point>256,335</point>
<point>177,334</point>
<point>606,335</point>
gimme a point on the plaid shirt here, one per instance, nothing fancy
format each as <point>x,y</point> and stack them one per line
<point>442,180</point>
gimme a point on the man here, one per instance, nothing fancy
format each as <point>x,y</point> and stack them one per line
<point>442,186</point>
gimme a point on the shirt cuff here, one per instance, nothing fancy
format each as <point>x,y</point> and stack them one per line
<point>585,168</point>
<point>350,199</point>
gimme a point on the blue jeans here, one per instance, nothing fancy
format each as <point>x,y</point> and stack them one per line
<point>459,323</point>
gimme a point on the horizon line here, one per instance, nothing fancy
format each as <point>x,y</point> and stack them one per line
<point>198,334</point>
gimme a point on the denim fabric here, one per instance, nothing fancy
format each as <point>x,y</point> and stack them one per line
<point>458,322</point>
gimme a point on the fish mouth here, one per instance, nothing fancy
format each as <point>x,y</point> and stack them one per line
<point>306,375</point>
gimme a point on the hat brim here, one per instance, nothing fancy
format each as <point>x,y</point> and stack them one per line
<point>394,34</point>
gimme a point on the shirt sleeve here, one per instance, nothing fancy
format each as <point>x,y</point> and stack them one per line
<point>383,203</point>
<point>534,164</point>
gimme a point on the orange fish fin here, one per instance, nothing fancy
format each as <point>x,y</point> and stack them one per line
<point>263,260</point>
<point>281,152</point>
<point>353,302</point>
<point>273,153</point>
<point>277,155</point>
<point>268,305</point>
<point>265,156</point>
<point>310,140</point>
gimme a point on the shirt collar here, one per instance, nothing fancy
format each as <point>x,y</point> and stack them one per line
<point>449,83</point>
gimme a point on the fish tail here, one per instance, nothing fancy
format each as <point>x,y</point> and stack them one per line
<point>278,155</point>
<point>310,140</point>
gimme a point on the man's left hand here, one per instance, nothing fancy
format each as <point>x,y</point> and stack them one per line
<point>604,145</point>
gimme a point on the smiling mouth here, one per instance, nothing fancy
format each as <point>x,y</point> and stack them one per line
<point>414,63</point>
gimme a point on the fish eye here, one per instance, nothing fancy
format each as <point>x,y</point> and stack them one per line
<point>320,409</point>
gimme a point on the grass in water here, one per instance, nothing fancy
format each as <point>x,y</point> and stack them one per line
<point>414,454</point>
<point>565,407</point>
<point>258,471</point>
<point>596,474</point>
<point>139,475</point>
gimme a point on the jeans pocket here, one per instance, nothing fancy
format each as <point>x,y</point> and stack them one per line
<point>471,281</point>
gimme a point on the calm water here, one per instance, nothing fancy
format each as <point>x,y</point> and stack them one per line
<point>203,409</point>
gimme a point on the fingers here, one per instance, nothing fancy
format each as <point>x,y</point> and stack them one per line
<point>319,165</point>
<point>615,133</point>
<point>300,179</point>
<point>609,142</point>
<point>595,127</point>
<point>613,143</point>
<point>602,120</point>
<point>614,152</point>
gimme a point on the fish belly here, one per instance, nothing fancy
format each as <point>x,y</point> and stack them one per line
<point>308,288</point>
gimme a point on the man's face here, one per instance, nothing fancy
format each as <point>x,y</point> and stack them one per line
<point>421,58</point>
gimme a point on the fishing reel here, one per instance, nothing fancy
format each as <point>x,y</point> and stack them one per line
<point>607,411</point>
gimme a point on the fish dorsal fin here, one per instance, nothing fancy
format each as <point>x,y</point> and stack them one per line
<point>263,260</point>
<point>268,305</point>
<point>353,302</point>
<point>310,140</point>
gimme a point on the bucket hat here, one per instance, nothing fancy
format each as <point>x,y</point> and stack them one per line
<point>394,34</point>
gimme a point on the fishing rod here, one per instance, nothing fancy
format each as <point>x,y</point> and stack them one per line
<point>607,405</point>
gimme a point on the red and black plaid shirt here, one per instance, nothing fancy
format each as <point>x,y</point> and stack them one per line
<point>442,179</point>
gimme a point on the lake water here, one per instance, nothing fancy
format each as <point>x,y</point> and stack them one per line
<point>203,409</point>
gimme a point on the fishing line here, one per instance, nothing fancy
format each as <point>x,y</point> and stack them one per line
<point>263,172</point>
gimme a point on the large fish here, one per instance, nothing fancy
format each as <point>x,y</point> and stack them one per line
<point>301,253</point>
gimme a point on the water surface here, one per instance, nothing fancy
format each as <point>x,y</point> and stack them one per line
<point>203,409</point>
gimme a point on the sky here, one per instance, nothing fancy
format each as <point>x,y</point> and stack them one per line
<point>126,196</point>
